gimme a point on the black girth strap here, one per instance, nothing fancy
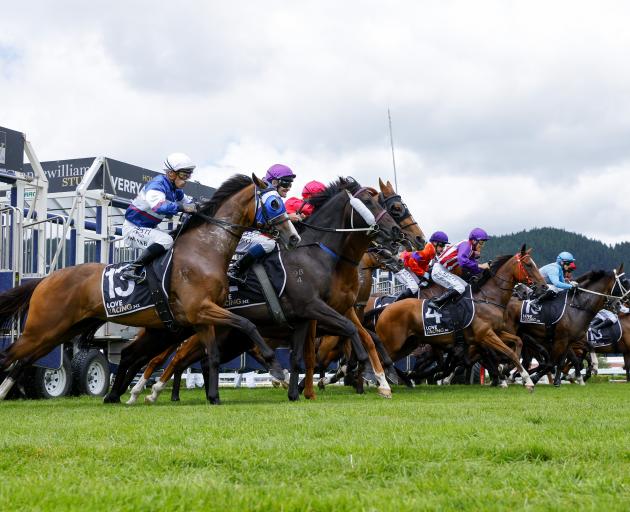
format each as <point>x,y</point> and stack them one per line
<point>273,303</point>
<point>160,300</point>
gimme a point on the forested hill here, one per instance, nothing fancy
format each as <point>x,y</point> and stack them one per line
<point>548,242</point>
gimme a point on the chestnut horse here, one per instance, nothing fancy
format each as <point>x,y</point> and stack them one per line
<point>315,289</point>
<point>401,326</point>
<point>70,301</point>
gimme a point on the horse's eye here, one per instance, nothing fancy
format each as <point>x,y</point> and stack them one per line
<point>275,204</point>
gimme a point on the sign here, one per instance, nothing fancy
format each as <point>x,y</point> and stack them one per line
<point>11,150</point>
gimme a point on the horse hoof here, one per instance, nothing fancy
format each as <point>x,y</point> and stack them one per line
<point>149,400</point>
<point>131,400</point>
<point>174,399</point>
<point>321,385</point>
<point>530,388</point>
<point>310,396</point>
<point>503,384</point>
<point>214,401</point>
<point>385,392</point>
<point>110,399</point>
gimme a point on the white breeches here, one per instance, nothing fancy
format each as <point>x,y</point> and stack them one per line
<point>444,278</point>
<point>141,238</point>
<point>408,278</point>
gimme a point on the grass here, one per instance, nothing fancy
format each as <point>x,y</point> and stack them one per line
<point>431,448</point>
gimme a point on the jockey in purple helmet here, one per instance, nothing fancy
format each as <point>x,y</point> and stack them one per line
<point>281,178</point>
<point>464,256</point>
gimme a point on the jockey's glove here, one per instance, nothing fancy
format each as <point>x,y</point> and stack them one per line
<point>187,207</point>
<point>575,284</point>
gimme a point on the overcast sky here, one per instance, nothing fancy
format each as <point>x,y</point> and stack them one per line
<point>506,115</point>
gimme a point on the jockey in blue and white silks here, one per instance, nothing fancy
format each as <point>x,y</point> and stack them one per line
<point>159,199</point>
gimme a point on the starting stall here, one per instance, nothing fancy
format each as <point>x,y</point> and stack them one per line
<point>60,213</point>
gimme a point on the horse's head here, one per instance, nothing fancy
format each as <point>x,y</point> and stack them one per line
<point>519,268</point>
<point>393,203</point>
<point>364,201</point>
<point>621,288</point>
<point>271,216</point>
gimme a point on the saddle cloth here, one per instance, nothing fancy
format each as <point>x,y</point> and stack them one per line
<point>122,297</point>
<point>451,317</point>
<point>607,336</point>
<point>548,312</point>
<point>250,293</point>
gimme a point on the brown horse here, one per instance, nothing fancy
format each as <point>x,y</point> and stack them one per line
<point>70,302</point>
<point>190,351</point>
<point>401,325</point>
<point>583,303</point>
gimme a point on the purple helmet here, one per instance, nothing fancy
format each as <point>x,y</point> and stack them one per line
<point>277,171</point>
<point>440,237</point>
<point>478,234</point>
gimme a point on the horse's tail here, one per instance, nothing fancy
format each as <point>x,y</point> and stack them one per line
<point>15,302</point>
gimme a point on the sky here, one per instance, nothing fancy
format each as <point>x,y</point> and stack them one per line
<point>506,115</point>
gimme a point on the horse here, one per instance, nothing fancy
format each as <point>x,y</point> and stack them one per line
<point>69,301</point>
<point>401,325</point>
<point>316,289</point>
<point>583,303</point>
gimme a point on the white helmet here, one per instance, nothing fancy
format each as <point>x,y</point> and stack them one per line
<point>178,162</point>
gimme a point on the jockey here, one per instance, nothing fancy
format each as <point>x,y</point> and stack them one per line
<point>301,207</point>
<point>604,318</point>
<point>281,178</point>
<point>416,264</point>
<point>554,272</point>
<point>159,199</point>
<point>464,256</point>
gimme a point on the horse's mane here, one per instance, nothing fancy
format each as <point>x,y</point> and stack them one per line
<point>227,189</point>
<point>592,276</point>
<point>485,276</point>
<point>320,199</point>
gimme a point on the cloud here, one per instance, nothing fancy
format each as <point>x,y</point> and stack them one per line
<point>512,107</point>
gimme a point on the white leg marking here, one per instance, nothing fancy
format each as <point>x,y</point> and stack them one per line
<point>5,387</point>
<point>155,392</point>
<point>136,390</point>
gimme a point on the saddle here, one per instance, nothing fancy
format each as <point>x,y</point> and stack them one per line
<point>608,335</point>
<point>548,312</point>
<point>451,317</point>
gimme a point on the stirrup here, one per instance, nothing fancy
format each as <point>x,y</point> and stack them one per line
<point>130,275</point>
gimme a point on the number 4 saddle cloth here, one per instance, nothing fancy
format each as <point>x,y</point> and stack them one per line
<point>451,317</point>
<point>122,297</point>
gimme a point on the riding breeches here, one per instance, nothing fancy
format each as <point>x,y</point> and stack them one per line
<point>408,279</point>
<point>444,278</point>
<point>268,244</point>
<point>141,238</point>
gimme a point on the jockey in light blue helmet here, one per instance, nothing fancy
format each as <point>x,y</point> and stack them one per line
<point>554,272</point>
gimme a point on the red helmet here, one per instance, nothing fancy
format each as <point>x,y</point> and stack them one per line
<point>312,188</point>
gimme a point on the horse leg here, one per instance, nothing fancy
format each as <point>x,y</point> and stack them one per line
<point>177,382</point>
<point>309,361</point>
<point>207,337</point>
<point>388,364</point>
<point>146,375</point>
<point>384,389</point>
<point>297,348</point>
<point>493,342</point>
<point>13,375</point>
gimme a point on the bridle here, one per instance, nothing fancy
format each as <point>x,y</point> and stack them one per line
<point>521,277</point>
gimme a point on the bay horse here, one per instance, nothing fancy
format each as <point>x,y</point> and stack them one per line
<point>401,326</point>
<point>321,278</point>
<point>69,301</point>
<point>189,352</point>
<point>583,303</point>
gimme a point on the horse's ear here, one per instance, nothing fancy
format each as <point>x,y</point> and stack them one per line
<point>381,184</point>
<point>620,269</point>
<point>258,182</point>
<point>523,249</point>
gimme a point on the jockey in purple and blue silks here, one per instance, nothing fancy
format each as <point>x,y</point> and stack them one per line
<point>281,178</point>
<point>159,199</point>
<point>464,256</point>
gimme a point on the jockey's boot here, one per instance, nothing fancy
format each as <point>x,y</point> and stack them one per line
<point>238,272</point>
<point>133,271</point>
<point>438,302</point>
<point>405,294</point>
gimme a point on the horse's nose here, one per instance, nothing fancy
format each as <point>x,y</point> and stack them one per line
<point>294,240</point>
<point>420,241</point>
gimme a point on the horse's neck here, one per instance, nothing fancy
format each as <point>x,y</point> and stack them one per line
<point>592,300</point>
<point>499,287</point>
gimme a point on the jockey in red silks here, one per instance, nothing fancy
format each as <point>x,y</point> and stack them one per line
<point>462,258</point>
<point>281,178</point>
<point>417,263</point>
<point>301,207</point>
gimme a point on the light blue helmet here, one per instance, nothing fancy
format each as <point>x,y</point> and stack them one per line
<point>565,257</point>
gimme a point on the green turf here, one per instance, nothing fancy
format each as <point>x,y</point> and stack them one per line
<point>431,448</point>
